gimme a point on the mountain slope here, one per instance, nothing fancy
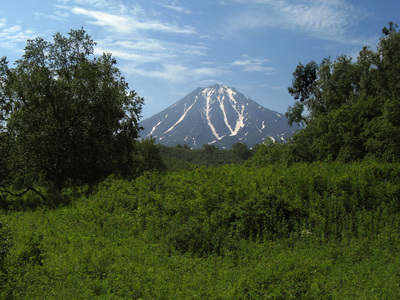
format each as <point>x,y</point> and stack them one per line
<point>217,115</point>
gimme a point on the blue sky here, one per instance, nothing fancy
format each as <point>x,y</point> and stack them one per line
<point>167,48</point>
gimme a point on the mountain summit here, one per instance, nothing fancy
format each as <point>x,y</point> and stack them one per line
<point>217,115</point>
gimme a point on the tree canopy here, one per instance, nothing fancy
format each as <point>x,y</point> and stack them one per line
<point>353,107</point>
<point>67,115</point>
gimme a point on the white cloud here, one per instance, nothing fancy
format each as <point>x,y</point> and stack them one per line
<point>179,72</point>
<point>179,9</point>
<point>3,22</point>
<point>60,13</point>
<point>126,24</point>
<point>13,29</point>
<point>209,72</point>
<point>329,20</point>
<point>119,23</point>
<point>10,36</point>
<point>96,3</point>
<point>133,57</point>
<point>140,36</point>
<point>136,40</point>
<point>251,64</point>
<point>169,72</point>
<point>148,50</point>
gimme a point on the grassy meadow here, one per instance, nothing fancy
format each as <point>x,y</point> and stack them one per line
<point>307,231</point>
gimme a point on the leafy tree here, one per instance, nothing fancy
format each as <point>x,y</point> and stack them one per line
<point>69,116</point>
<point>209,149</point>
<point>353,106</point>
<point>148,157</point>
<point>303,83</point>
<point>241,150</point>
<point>270,153</point>
<point>304,87</point>
<point>338,82</point>
<point>3,115</point>
<point>382,134</point>
<point>323,88</point>
<point>295,114</point>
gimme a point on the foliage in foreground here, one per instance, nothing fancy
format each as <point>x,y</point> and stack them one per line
<point>325,230</point>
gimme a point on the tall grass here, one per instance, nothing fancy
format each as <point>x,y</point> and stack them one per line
<point>322,230</point>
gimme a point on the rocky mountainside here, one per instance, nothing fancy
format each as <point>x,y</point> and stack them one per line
<point>217,115</point>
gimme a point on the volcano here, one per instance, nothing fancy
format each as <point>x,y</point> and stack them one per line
<point>217,115</point>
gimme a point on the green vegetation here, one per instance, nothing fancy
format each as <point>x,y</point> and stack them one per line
<point>353,106</point>
<point>67,118</point>
<point>322,230</point>
<point>182,157</point>
<point>315,218</point>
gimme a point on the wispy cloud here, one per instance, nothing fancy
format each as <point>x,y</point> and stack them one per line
<point>147,50</point>
<point>179,72</point>
<point>126,55</point>
<point>330,20</point>
<point>129,23</point>
<point>179,9</point>
<point>136,40</point>
<point>251,64</point>
<point>3,22</point>
<point>12,35</point>
<point>96,3</point>
<point>141,37</point>
<point>169,72</point>
<point>202,73</point>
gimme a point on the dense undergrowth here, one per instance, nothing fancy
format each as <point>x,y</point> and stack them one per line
<point>320,230</point>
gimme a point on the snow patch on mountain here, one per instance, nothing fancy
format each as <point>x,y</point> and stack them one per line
<point>185,111</point>
<point>240,121</point>
<point>225,103</point>
<point>231,94</point>
<point>155,127</point>
<point>207,93</point>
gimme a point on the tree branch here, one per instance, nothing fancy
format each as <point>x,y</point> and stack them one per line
<point>4,190</point>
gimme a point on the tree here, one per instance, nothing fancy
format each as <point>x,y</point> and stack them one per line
<point>271,153</point>
<point>148,157</point>
<point>353,106</point>
<point>295,114</point>
<point>241,150</point>
<point>209,149</point>
<point>303,83</point>
<point>338,82</point>
<point>69,116</point>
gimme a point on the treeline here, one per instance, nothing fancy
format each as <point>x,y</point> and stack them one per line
<point>181,156</point>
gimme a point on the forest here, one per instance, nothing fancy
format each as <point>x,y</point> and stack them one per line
<point>90,211</point>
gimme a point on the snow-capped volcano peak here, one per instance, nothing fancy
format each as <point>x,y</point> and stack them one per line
<point>219,115</point>
<point>233,113</point>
